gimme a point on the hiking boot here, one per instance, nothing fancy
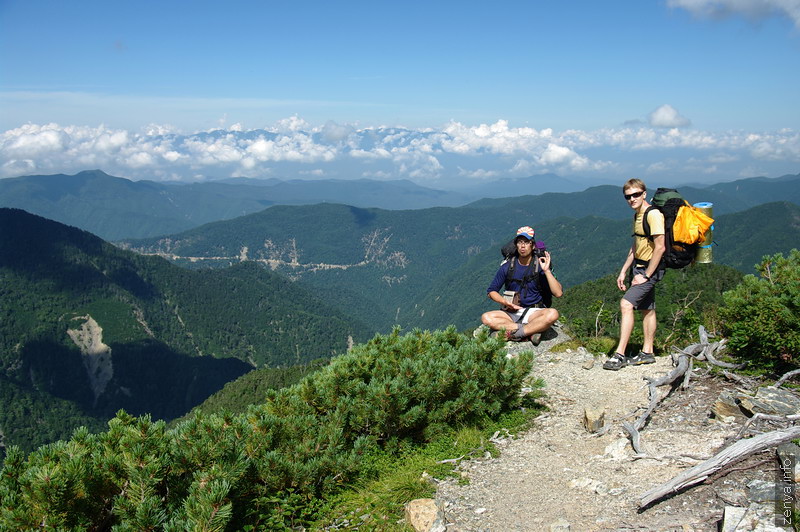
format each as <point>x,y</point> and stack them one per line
<point>641,358</point>
<point>536,338</point>
<point>616,362</point>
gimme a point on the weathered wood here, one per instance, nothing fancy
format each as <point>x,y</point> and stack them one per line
<point>634,436</point>
<point>718,346</point>
<point>744,381</point>
<point>701,331</point>
<point>633,428</point>
<point>730,455</point>
<point>687,375</point>
<point>669,378</point>
<point>786,377</point>
<point>765,417</point>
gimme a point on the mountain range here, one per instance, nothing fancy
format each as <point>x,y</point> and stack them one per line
<point>386,267</point>
<point>116,208</point>
<point>89,327</point>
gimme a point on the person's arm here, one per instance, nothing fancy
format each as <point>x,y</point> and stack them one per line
<point>493,292</point>
<point>625,268</point>
<point>555,286</point>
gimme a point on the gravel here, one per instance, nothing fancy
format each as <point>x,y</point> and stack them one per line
<point>558,476</point>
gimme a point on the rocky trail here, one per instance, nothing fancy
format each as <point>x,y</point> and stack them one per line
<point>558,476</point>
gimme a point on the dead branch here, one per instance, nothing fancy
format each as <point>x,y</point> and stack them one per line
<point>730,455</point>
<point>744,381</point>
<point>719,346</point>
<point>672,376</point>
<point>786,377</point>
<point>672,457</point>
<point>683,360</point>
<point>687,375</point>
<point>766,417</point>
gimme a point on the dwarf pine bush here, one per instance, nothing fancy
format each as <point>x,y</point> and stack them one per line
<point>761,316</point>
<point>270,467</point>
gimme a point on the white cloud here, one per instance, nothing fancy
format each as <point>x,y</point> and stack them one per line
<point>294,149</point>
<point>667,116</point>
<point>496,138</point>
<point>751,9</point>
<point>33,141</point>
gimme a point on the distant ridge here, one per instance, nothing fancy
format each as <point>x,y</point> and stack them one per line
<point>115,208</point>
<point>514,186</point>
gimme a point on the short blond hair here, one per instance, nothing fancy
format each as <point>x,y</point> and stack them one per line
<point>631,183</point>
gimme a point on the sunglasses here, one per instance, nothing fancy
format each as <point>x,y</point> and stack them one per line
<point>633,195</point>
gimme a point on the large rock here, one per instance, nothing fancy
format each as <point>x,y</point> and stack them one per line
<point>423,515</point>
<point>727,406</point>
<point>768,400</point>
<point>594,419</point>
<point>789,460</point>
<point>758,517</point>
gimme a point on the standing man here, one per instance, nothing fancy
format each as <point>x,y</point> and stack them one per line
<point>527,317</point>
<point>644,261</point>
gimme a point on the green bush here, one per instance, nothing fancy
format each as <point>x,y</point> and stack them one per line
<point>272,466</point>
<point>761,316</point>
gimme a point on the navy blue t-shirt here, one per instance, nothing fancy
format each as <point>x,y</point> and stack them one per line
<point>528,297</point>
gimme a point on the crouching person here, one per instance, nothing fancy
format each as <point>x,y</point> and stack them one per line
<point>526,277</point>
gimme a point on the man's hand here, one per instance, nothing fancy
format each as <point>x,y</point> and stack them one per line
<point>544,262</point>
<point>621,281</point>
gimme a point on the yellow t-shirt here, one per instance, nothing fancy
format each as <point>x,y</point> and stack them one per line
<point>643,246</point>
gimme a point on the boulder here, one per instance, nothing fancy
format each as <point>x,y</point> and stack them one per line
<point>788,458</point>
<point>594,419</point>
<point>727,406</point>
<point>773,401</point>
<point>759,517</point>
<point>423,515</point>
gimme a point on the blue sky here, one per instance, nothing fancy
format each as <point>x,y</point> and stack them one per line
<point>443,93</point>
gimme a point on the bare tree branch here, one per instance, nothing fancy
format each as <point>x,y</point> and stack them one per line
<point>730,455</point>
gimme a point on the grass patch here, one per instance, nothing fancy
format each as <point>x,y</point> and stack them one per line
<point>392,480</point>
<point>602,345</point>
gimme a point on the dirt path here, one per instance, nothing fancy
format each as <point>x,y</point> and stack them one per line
<point>558,476</point>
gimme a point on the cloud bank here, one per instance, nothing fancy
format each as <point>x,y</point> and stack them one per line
<point>663,145</point>
<point>751,9</point>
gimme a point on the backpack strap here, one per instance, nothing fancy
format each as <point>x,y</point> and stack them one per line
<point>645,223</point>
<point>531,275</point>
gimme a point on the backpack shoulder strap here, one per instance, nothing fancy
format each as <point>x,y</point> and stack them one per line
<point>645,223</point>
<point>510,270</point>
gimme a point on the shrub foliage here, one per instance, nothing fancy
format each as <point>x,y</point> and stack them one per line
<point>269,467</point>
<point>762,314</point>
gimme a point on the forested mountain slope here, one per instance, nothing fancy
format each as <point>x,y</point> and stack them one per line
<point>591,248</point>
<point>98,328</point>
<point>605,201</point>
<point>385,267</point>
<point>115,208</point>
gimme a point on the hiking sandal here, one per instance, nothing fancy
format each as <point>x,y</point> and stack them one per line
<point>641,358</point>
<point>616,362</point>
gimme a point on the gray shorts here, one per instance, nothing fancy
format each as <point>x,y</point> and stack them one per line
<point>643,296</point>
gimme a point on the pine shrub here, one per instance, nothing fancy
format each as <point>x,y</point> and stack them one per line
<point>270,467</point>
<point>761,316</point>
